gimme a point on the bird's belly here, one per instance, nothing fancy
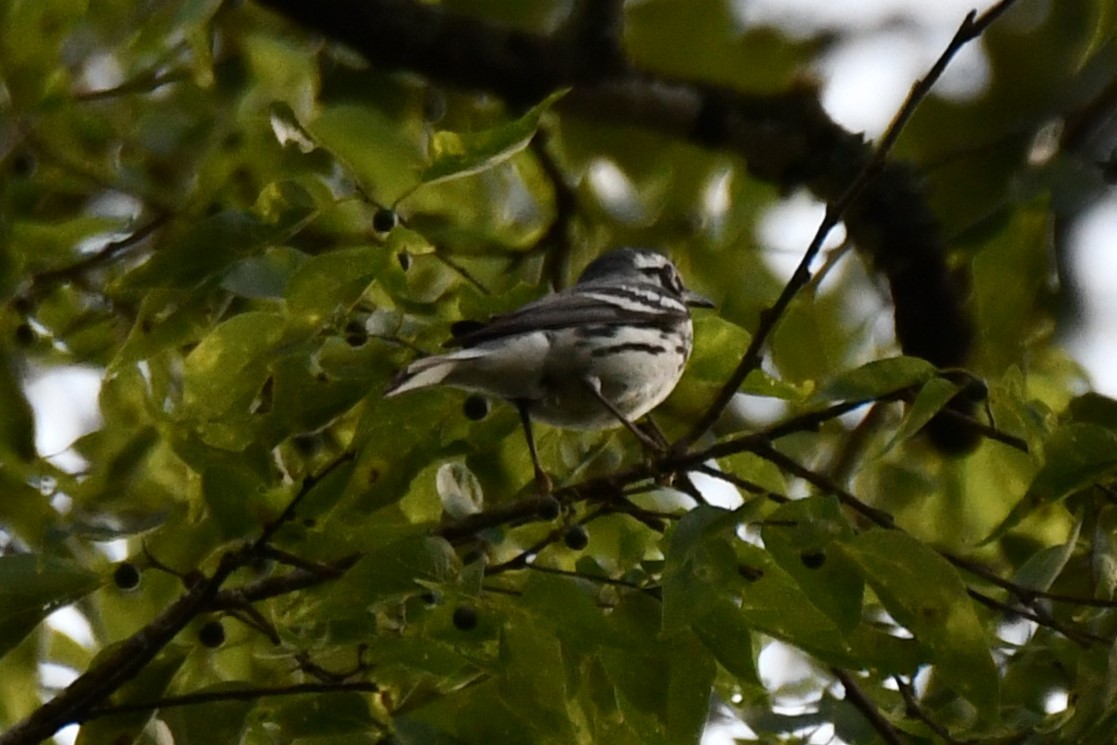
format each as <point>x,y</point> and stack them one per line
<point>635,370</point>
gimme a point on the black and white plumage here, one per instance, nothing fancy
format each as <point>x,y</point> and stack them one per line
<point>622,333</point>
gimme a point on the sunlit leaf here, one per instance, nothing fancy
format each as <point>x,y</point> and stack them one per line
<point>1077,456</point>
<point>31,587</point>
<point>878,378</point>
<point>925,594</point>
<point>455,154</point>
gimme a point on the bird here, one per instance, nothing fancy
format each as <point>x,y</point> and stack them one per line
<point>599,354</point>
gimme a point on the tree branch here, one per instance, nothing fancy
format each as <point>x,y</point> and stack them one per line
<point>246,694</point>
<point>118,667</point>
<point>786,138</point>
<point>857,698</point>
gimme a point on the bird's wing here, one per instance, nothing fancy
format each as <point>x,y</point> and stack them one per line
<point>602,307</point>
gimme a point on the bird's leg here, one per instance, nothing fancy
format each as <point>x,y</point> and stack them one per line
<point>542,480</point>
<point>649,442</point>
<point>648,426</point>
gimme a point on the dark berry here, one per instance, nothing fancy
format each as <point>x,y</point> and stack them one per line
<point>23,164</point>
<point>126,576</point>
<point>212,634</point>
<point>25,335</point>
<point>355,334</point>
<point>465,618</point>
<point>384,220</point>
<point>549,508</point>
<point>576,537</point>
<point>975,391</point>
<point>307,443</point>
<point>434,106</point>
<point>812,559</point>
<point>475,407</point>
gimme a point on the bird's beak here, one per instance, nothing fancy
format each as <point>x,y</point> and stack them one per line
<point>695,300</point>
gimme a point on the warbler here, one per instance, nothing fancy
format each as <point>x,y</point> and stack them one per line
<point>601,353</point>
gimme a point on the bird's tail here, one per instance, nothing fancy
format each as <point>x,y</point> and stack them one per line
<point>428,371</point>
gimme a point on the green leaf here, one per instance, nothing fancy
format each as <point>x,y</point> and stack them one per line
<point>1077,456</point>
<point>1042,568</point>
<point>17,425</point>
<point>455,154</point>
<point>225,373</point>
<point>725,633</point>
<point>878,378</point>
<point>328,285</point>
<point>800,536</point>
<point>663,689</point>
<point>530,679</point>
<point>1011,273</point>
<point>700,566</point>
<point>393,569</point>
<point>32,587</point>
<point>932,397</point>
<point>1105,29</point>
<point>206,248</point>
<point>234,497</point>
<point>202,724</point>
<point>1092,408</point>
<point>327,717</point>
<point>383,155</point>
<point>771,601</point>
<point>923,592</point>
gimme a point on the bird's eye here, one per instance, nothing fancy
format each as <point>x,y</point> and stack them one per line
<point>670,278</point>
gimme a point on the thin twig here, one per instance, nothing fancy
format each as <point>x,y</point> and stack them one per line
<point>115,669</point>
<point>970,29</point>
<point>106,254</point>
<point>246,694</point>
<point>857,698</point>
<point>786,463</point>
<point>915,710</point>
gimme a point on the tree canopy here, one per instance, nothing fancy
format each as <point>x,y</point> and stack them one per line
<point>245,217</point>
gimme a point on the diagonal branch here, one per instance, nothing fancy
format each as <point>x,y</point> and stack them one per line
<point>971,28</point>
<point>245,694</point>
<point>115,669</point>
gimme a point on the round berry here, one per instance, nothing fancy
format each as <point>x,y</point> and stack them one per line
<point>212,634</point>
<point>307,443</point>
<point>23,165</point>
<point>576,538</point>
<point>384,220</point>
<point>434,106</point>
<point>465,618</point>
<point>812,559</point>
<point>355,334</point>
<point>549,508</point>
<point>475,407</point>
<point>25,335</point>
<point>975,391</point>
<point>126,576</point>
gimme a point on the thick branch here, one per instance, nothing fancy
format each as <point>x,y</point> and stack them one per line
<point>786,138</point>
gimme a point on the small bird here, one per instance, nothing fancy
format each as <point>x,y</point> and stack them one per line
<point>599,354</point>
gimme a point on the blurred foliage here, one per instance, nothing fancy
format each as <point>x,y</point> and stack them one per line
<point>247,231</point>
